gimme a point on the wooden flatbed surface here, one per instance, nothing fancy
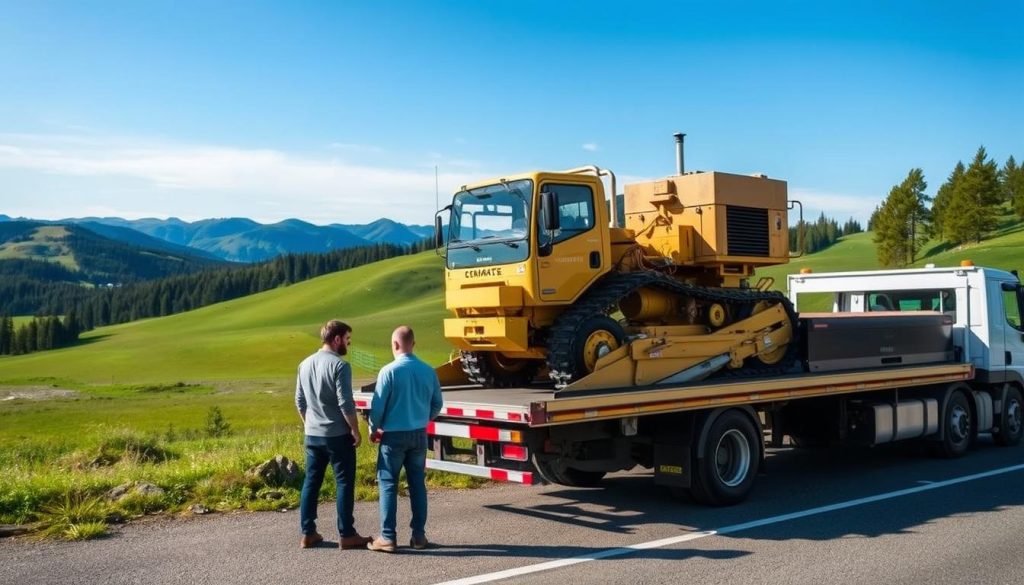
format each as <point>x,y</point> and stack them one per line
<point>541,406</point>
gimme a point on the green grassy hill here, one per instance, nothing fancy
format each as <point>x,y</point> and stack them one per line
<point>261,336</point>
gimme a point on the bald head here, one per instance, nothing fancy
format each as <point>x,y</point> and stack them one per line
<point>402,340</point>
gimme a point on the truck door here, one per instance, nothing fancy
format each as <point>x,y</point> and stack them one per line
<point>571,257</point>
<point>1013,330</point>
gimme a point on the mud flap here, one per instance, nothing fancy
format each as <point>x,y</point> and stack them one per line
<point>673,465</point>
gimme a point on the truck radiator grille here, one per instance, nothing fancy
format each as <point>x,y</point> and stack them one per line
<point>746,231</point>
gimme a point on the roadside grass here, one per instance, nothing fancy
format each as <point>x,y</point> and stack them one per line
<point>61,457</point>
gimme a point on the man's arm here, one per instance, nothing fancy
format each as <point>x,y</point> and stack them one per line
<point>347,402</point>
<point>436,401</point>
<point>380,398</point>
<point>300,398</point>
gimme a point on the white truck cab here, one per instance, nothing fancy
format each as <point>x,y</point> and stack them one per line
<point>986,305</point>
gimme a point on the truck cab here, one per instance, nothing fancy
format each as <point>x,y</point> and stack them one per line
<point>986,305</point>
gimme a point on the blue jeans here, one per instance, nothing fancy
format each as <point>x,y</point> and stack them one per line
<point>400,449</point>
<point>341,454</point>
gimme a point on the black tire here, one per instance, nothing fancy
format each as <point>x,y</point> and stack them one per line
<point>725,474</point>
<point>554,471</point>
<point>1011,419</point>
<point>957,427</point>
<point>598,327</point>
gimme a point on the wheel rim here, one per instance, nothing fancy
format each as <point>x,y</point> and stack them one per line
<point>776,354</point>
<point>1013,417</point>
<point>599,344</point>
<point>959,423</point>
<point>732,458</point>
<point>716,315</point>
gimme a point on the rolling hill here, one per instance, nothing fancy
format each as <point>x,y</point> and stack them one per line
<point>90,257</point>
<point>263,336</point>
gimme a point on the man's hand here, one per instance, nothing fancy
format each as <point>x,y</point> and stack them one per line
<point>376,435</point>
<point>357,437</point>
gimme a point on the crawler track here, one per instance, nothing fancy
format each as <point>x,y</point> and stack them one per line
<point>604,297</point>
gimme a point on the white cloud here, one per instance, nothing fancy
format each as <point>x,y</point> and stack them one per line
<point>83,175</point>
<point>590,147</point>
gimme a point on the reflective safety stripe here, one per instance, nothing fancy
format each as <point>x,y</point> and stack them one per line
<point>523,477</point>
<point>474,432</point>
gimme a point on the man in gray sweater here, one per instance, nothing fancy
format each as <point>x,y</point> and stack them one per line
<point>323,396</point>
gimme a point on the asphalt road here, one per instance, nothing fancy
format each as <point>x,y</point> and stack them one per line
<point>883,515</point>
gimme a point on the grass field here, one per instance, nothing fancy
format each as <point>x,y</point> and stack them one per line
<point>261,336</point>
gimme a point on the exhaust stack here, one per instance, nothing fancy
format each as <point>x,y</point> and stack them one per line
<point>680,168</point>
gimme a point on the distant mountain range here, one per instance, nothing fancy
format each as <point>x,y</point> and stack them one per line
<point>74,254</point>
<point>240,239</point>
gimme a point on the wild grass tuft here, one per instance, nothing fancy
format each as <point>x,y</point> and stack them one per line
<point>74,517</point>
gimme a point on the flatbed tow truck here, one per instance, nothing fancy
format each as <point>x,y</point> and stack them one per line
<point>708,438</point>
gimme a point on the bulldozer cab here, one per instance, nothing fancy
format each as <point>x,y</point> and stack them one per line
<point>544,231</point>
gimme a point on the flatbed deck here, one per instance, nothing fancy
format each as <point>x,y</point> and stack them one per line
<point>540,406</point>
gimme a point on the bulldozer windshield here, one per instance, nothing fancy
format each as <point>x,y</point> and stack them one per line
<point>490,225</point>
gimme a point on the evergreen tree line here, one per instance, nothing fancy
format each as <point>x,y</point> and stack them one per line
<point>41,333</point>
<point>965,208</point>
<point>821,234</point>
<point>175,294</point>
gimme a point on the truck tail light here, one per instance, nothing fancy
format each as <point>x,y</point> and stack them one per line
<point>514,452</point>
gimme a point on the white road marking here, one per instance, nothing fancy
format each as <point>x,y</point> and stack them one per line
<point>615,552</point>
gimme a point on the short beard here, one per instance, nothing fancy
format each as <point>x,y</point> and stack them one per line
<point>342,350</point>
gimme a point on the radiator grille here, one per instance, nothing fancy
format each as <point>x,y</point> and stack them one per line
<point>746,231</point>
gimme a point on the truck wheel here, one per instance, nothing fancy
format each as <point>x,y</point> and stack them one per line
<point>596,337</point>
<point>555,471</point>
<point>1011,420</point>
<point>957,427</point>
<point>725,474</point>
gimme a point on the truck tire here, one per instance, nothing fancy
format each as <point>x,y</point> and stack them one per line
<point>555,471</point>
<point>957,427</point>
<point>1011,419</point>
<point>725,474</point>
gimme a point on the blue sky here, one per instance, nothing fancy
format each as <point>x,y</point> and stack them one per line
<point>338,112</point>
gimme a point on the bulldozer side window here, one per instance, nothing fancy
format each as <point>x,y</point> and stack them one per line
<point>575,210</point>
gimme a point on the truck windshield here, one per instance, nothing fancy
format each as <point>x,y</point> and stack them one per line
<point>490,225</point>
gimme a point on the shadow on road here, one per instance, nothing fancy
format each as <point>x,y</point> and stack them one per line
<point>795,481</point>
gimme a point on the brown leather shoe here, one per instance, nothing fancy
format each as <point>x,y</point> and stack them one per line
<point>379,544</point>
<point>310,540</point>
<point>418,542</point>
<point>355,541</point>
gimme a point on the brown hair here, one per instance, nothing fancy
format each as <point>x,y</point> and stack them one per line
<point>333,328</point>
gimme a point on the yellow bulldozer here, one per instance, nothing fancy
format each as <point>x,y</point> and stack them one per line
<point>542,278</point>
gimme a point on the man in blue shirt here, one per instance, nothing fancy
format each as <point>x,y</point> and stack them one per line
<point>323,396</point>
<point>407,397</point>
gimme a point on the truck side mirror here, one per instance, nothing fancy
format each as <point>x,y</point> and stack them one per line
<point>549,210</point>
<point>438,236</point>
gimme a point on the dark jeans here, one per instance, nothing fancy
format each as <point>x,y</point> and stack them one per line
<point>341,454</point>
<point>400,449</point>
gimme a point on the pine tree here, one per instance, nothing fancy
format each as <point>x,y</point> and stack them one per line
<point>973,206</point>
<point>1011,177</point>
<point>5,336</point>
<point>901,222</point>
<point>942,199</point>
